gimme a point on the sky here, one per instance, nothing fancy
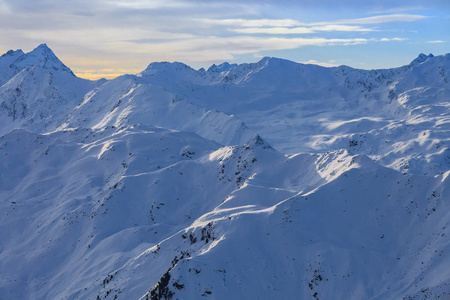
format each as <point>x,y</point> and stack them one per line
<point>107,38</point>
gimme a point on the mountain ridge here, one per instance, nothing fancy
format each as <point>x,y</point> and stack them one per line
<point>265,180</point>
<point>42,56</point>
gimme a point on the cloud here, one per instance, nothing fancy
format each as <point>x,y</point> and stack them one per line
<point>377,19</point>
<point>398,9</point>
<point>245,44</point>
<point>253,22</point>
<point>315,62</point>
<point>105,37</point>
<point>302,30</point>
<point>392,39</point>
<point>274,30</point>
<point>337,25</point>
<point>154,4</point>
<point>436,42</point>
<point>98,5</point>
<point>4,9</point>
<point>201,49</point>
<point>290,26</point>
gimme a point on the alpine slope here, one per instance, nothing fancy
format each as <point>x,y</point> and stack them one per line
<point>267,180</point>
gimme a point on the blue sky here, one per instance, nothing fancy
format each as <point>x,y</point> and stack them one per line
<point>111,37</point>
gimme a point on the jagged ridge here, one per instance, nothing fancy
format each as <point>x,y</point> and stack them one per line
<point>151,186</point>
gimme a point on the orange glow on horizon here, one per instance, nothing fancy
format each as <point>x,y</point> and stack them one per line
<point>104,73</point>
<point>97,76</point>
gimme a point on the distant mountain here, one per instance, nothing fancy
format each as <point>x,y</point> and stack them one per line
<point>12,62</point>
<point>309,108</point>
<point>39,90</point>
<point>269,180</point>
<point>7,69</point>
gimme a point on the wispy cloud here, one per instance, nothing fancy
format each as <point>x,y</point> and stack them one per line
<point>337,27</point>
<point>436,42</point>
<point>243,44</point>
<point>154,4</point>
<point>398,9</point>
<point>253,22</point>
<point>377,19</point>
<point>211,48</point>
<point>315,62</point>
<point>392,39</point>
<point>301,30</point>
<point>292,23</point>
<point>274,30</point>
<point>290,26</point>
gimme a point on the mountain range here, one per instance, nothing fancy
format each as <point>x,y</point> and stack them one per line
<point>267,180</point>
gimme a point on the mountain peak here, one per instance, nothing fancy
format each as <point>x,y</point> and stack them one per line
<point>11,52</point>
<point>43,46</point>
<point>221,68</point>
<point>275,61</point>
<point>267,59</point>
<point>6,61</point>
<point>156,67</point>
<point>421,58</point>
<point>44,50</point>
<point>41,56</point>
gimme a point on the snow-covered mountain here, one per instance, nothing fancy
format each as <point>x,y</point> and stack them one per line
<point>37,90</point>
<point>271,180</point>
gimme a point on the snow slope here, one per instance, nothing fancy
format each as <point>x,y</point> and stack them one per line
<point>161,185</point>
<point>402,112</point>
<point>38,90</point>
